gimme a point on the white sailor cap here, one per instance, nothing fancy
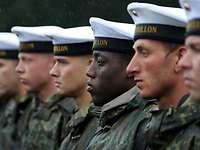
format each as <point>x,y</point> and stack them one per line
<point>158,22</point>
<point>192,10</point>
<point>112,36</point>
<point>9,45</point>
<point>33,39</point>
<point>72,41</point>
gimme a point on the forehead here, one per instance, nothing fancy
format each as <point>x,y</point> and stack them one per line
<point>27,55</point>
<point>35,56</point>
<point>147,43</point>
<point>192,40</point>
<point>68,58</point>
<point>106,54</point>
<point>7,61</point>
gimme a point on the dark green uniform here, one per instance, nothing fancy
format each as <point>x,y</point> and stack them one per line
<point>81,128</point>
<point>8,111</point>
<point>175,128</point>
<point>122,123</point>
<point>44,122</point>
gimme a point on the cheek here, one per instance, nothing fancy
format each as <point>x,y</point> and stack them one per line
<point>195,73</point>
<point>154,75</point>
<point>66,74</point>
<point>6,75</point>
<point>196,65</point>
<point>107,78</point>
<point>110,73</point>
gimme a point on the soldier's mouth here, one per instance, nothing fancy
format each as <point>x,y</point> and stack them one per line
<point>90,87</point>
<point>57,83</point>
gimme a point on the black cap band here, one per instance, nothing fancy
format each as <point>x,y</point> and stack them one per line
<point>73,49</point>
<point>113,45</point>
<point>160,32</point>
<point>36,47</point>
<point>9,54</point>
<point>193,27</point>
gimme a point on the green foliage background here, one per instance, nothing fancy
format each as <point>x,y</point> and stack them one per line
<point>65,13</point>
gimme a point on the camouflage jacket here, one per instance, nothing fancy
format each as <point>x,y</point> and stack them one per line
<point>176,128</point>
<point>8,111</point>
<point>44,123</point>
<point>122,123</point>
<point>81,128</point>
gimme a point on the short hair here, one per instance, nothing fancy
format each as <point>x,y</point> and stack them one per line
<point>171,47</point>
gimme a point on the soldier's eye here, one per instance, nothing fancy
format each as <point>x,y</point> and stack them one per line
<point>195,48</point>
<point>143,52</point>
<point>100,61</point>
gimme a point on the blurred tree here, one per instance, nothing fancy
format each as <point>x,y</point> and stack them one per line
<point>65,13</point>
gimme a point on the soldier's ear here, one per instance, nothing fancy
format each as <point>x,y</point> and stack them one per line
<point>180,53</point>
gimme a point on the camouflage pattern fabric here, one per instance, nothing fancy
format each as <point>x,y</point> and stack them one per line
<point>122,123</point>
<point>8,111</point>
<point>44,123</point>
<point>81,128</point>
<point>175,128</point>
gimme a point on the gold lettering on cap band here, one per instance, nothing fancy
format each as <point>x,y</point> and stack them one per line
<point>59,48</point>
<point>26,45</point>
<point>192,25</point>
<point>2,53</point>
<point>146,29</point>
<point>102,43</point>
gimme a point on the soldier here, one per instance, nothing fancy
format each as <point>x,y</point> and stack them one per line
<point>124,113</point>
<point>42,122</point>
<point>185,121</point>
<point>11,90</point>
<point>72,53</point>
<point>159,39</point>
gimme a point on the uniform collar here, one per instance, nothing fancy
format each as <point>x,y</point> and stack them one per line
<point>121,100</point>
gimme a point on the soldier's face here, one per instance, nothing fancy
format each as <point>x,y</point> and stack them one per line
<point>8,77</point>
<point>191,66</point>
<point>152,67</point>
<point>33,70</point>
<point>108,78</point>
<point>70,74</point>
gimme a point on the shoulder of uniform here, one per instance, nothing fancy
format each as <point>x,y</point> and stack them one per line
<point>68,104</point>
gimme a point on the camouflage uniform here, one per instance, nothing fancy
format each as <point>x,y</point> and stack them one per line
<point>8,111</point>
<point>44,123</point>
<point>176,128</point>
<point>81,128</point>
<point>122,123</point>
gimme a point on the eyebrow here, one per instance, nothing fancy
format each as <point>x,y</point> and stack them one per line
<point>96,54</point>
<point>195,46</point>
<point>59,59</point>
<point>138,47</point>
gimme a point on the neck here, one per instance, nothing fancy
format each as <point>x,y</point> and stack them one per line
<point>47,91</point>
<point>83,99</point>
<point>173,96</point>
<point>21,93</point>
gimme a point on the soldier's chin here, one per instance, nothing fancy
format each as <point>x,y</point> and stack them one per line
<point>28,88</point>
<point>3,93</point>
<point>195,96</point>
<point>59,91</point>
<point>147,96</point>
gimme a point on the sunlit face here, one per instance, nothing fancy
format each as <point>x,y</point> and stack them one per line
<point>33,70</point>
<point>8,77</point>
<point>69,74</point>
<point>191,66</point>
<point>153,68</point>
<point>107,76</point>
